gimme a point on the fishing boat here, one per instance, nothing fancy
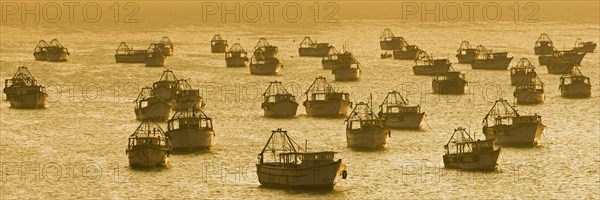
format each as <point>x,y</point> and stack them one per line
<point>587,47</point>
<point>337,59</point>
<point>56,52</point>
<point>190,130</point>
<point>150,107</point>
<point>571,56</point>
<point>185,93</point>
<point>466,53</point>
<point>282,163</point>
<point>575,85</point>
<point>365,130</point>
<point>386,55</point>
<point>278,102</point>
<point>236,56</point>
<point>41,51</point>
<point>322,100</point>
<point>267,50</point>
<point>486,59</point>
<point>452,82</point>
<point>471,154</point>
<point>166,87</point>
<point>523,72</point>
<point>560,66</point>
<point>218,44</point>
<point>504,124</point>
<point>261,64</point>
<point>148,146</point>
<point>543,45</point>
<point>23,91</point>
<point>155,57</point>
<point>389,41</point>
<point>425,65</point>
<point>166,46</point>
<point>406,52</point>
<point>309,48</point>
<point>530,92</point>
<point>126,54</point>
<point>346,71</point>
<point>396,113</point>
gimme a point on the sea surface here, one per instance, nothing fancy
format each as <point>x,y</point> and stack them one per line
<point>75,148</point>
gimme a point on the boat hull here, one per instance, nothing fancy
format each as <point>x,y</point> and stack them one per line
<point>495,64</point>
<point>157,111</point>
<point>318,177</point>
<point>282,109</point>
<point>218,48</point>
<point>58,57</point>
<point>403,120</point>
<point>367,138</point>
<point>543,50</point>
<point>33,100</point>
<point>430,70</point>
<point>573,58</point>
<point>587,48</point>
<point>156,61</point>
<point>191,139</point>
<point>559,68</point>
<point>576,90</point>
<point>313,52</point>
<point>485,161</point>
<point>40,55</point>
<point>167,51</point>
<point>405,55</point>
<point>529,96</point>
<point>448,86</point>
<point>328,64</point>
<point>466,59</point>
<point>522,135</point>
<point>270,68</point>
<point>236,62</point>
<point>327,108</point>
<point>148,156</point>
<point>390,45</point>
<point>519,78</point>
<point>130,58</point>
<point>346,74</point>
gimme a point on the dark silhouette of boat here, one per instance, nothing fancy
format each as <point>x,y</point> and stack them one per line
<point>543,45</point>
<point>571,56</point>
<point>365,130</point>
<point>486,59</point>
<point>396,113</point>
<point>466,53</point>
<point>56,52</point>
<point>148,146</point>
<point>523,72</point>
<point>575,84</point>
<point>190,130</point>
<point>41,51</point>
<point>281,163</point>
<point>407,52</point>
<point>150,107</point>
<point>322,100</point>
<point>236,56</point>
<point>218,44</point>
<point>267,50</point>
<point>560,65</point>
<point>587,47</point>
<point>166,46</point>
<point>470,154</point>
<point>337,59</point>
<point>261,64</point>
<point>155,57</point>
<point>309,48</point>
<point>23,91</point>
<point>453,82</point>
<point>278,102</point>
<point>530,91</point>
<point>126,54</point>
<point>504,124</point>
<point>386,55</point>
<point>389,41</point>
<point>186,94</point>
<point>166,87</point>
<point>425,65</point>
<point>347,68</point>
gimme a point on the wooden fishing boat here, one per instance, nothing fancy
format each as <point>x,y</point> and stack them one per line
<point>575,85</point>
<point>190,130</point>
<point>126,54</point>
<point>389,41</point>
<point>23,91</point>
<point>337,59</point>
<point>486,59</point>
<point>267,50</point>
<point>560,66</point>
<point>396,113</point>
<point>166,87</point>
<point>56,52</point>
<point>282,164</point>
<point>323,101</point>
<point>365,130</point>
<point>185,93</point>
<point>466,53</point>
<point>155,57</point>
<point>278,102</point>
<point>41,51</point>
<point>571,56</point>
<point>218,44</point>
<point>425,65</point>
<point>452,82</point>
<point>471,154</point>
<point>504,124</point>
<point>166,46</point>
<point>587,47</point>
<point>309,48</point>
<point>543,45</point>
<point>260,64</point>
<point>150,107</point>
<point>530,92</point>
<point>148,146</point>
<point>236,56</point>
<point>347,69</point>
<point>407,52</point>
<point>523,72</point>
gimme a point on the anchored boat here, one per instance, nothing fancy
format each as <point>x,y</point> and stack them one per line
<point>466,53</point>
<point>470,154</point>
<point>150,107</point>
<point>23,91</point>
<point>278,102</point>
<point>486,59</point>
<point>389,41</point>
<point>185,93</point>
<point>452,82</point>
<point>348,69</point>
<point>364,129</point>
<point>281,164</point>
<point>323,101</point>
<point>166,46</point>
<point>504,124</point>
<point>218,44</point>
<point>406,52</point>
<point>166,87</point>
<point>313,49</point>
<point>587,47</point>
<point>575,85</point>
<point>126,54</point>
<point>268,51</point>
<point>337,59</point>
<point>56,52</point>
<point>155,57</point>
<point>425,65</point>
<point>523,72</point>
<point>41,51</point>
<point>543,45</point>
<point>190,130</point>
<point>148,146</point>
<point>397,114</point>
<point>571,56</point>
<point>236,56</point>
<point>261,64</point>
<point>530,92</point>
